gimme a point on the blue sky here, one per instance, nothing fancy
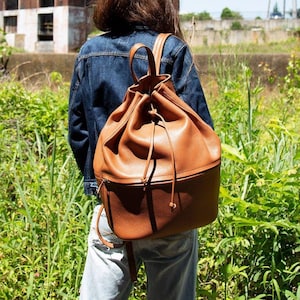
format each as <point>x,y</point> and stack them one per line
<point>247,8</point>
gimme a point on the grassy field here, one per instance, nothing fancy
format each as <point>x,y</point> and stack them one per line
<point>252,251</point>
<point>272,48</point>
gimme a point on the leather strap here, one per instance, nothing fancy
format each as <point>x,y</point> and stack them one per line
<point>101,238</point>
<point>158,49</point>
<point>151,67</point>
<point>154,56</point>
<point>131,261</point>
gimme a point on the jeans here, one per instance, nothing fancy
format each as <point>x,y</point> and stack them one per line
<point>170,264</point>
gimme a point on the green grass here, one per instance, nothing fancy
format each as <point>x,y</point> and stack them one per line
<point>252,251</point>
<point>249,48</point>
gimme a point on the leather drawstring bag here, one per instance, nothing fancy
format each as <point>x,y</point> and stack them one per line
<point>157,162</point>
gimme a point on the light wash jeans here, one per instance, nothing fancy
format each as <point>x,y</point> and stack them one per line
<point>170,265</point>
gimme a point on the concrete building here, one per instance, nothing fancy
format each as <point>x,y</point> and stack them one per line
<point>57,26</point>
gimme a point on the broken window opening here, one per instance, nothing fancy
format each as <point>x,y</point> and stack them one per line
<point>10,24</point>
<point>45,30</point>
<point>11,4</point>
<point>46,3</point>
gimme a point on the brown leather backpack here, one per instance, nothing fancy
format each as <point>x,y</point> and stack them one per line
<point>157,162</point>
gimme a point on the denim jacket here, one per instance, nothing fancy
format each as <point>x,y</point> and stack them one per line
<point>101,77</point>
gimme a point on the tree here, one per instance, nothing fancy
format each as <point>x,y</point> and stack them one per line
<point>228,14</point>
<point>204,16</point>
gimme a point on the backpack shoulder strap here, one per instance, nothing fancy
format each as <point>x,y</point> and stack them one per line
<point>158,49</point>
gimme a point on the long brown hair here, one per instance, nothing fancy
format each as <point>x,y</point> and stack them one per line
<point>122,15</point>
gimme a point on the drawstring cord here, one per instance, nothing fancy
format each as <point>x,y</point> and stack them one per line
<point>153,113</point>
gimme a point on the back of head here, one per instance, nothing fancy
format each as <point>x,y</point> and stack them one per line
<point>121,16</point>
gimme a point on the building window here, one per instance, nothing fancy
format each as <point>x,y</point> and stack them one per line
<point>10,24</point>
<point>45,32</point>
<point>11,4</point>
<point>46,3</point>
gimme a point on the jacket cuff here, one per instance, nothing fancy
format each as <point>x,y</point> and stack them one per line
<point>90,187</point>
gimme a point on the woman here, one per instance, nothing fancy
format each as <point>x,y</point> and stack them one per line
<point>100,80</point>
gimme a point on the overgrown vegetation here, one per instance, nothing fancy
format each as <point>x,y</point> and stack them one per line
<point>251,252</point>
<point>43,215</point>
<point>5,52</point>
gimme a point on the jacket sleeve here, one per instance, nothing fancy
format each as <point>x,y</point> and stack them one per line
<point>187,83</point>
<point>78,133</point>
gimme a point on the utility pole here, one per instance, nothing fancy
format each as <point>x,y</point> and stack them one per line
<point>268,12</point>
<point>294,10</point>
<point>284,2</point>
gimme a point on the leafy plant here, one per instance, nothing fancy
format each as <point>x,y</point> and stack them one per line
<point>5,53</point>
<point>236,25</point>
<point>291,83</point>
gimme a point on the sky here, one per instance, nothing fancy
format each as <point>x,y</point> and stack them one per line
<point>248,8</point>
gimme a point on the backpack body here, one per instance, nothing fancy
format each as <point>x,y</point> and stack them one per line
<point>157,163</point>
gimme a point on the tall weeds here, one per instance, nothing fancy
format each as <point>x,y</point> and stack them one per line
<point>43,215</point>
<point>253,251</point>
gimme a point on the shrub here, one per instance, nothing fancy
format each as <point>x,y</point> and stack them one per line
<point>5,53</point>
<point>236,25</point>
